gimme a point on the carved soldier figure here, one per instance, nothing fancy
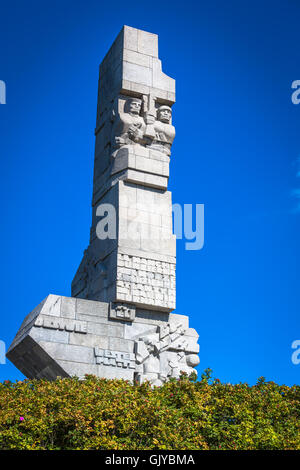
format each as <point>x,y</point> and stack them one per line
<point>129,127</point>
<point>164,131</point>
<point>148,354</point>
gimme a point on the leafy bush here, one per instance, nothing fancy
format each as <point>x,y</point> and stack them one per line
<point>114,414</point>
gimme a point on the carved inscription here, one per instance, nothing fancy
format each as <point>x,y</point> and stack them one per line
<point>115,358</point>
<point>66,324</point>
<point>122,311</point>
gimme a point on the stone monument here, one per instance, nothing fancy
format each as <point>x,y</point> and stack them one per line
<point>119,321</point>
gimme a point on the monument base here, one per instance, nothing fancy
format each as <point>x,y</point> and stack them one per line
<point>67,336</point>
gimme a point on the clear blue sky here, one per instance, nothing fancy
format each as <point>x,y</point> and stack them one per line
<point>236,151</point>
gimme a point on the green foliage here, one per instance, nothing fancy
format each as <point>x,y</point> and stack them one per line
<point>114,414</point>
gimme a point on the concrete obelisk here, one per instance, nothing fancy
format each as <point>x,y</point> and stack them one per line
<point>118,322</point>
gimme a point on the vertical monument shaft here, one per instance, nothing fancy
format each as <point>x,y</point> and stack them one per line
<point>134,134</point>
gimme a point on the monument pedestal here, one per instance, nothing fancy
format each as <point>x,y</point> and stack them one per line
<point>65,336</point>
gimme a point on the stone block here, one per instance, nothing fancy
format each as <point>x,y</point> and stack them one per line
<point>130,38</point>
<point>187,343</point>
<point>136,330</point>
<point>52,305</point>
<point>68,352</point>
<point>44,334</point>
<point>79,369</point>
<point>119,344</point>
<point>161,80</point>
<point>103,329</point>
<point>192,332</point>
<point>91,307</point>
<point>115,373</point>
<point>90,340</point>
<point>137,73</point>
<point>136,58</point>
<point>68,307</point>
<point>146,179</point>
<point>175,318</point>
<point>91,318</point>
<point>147,43</point>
